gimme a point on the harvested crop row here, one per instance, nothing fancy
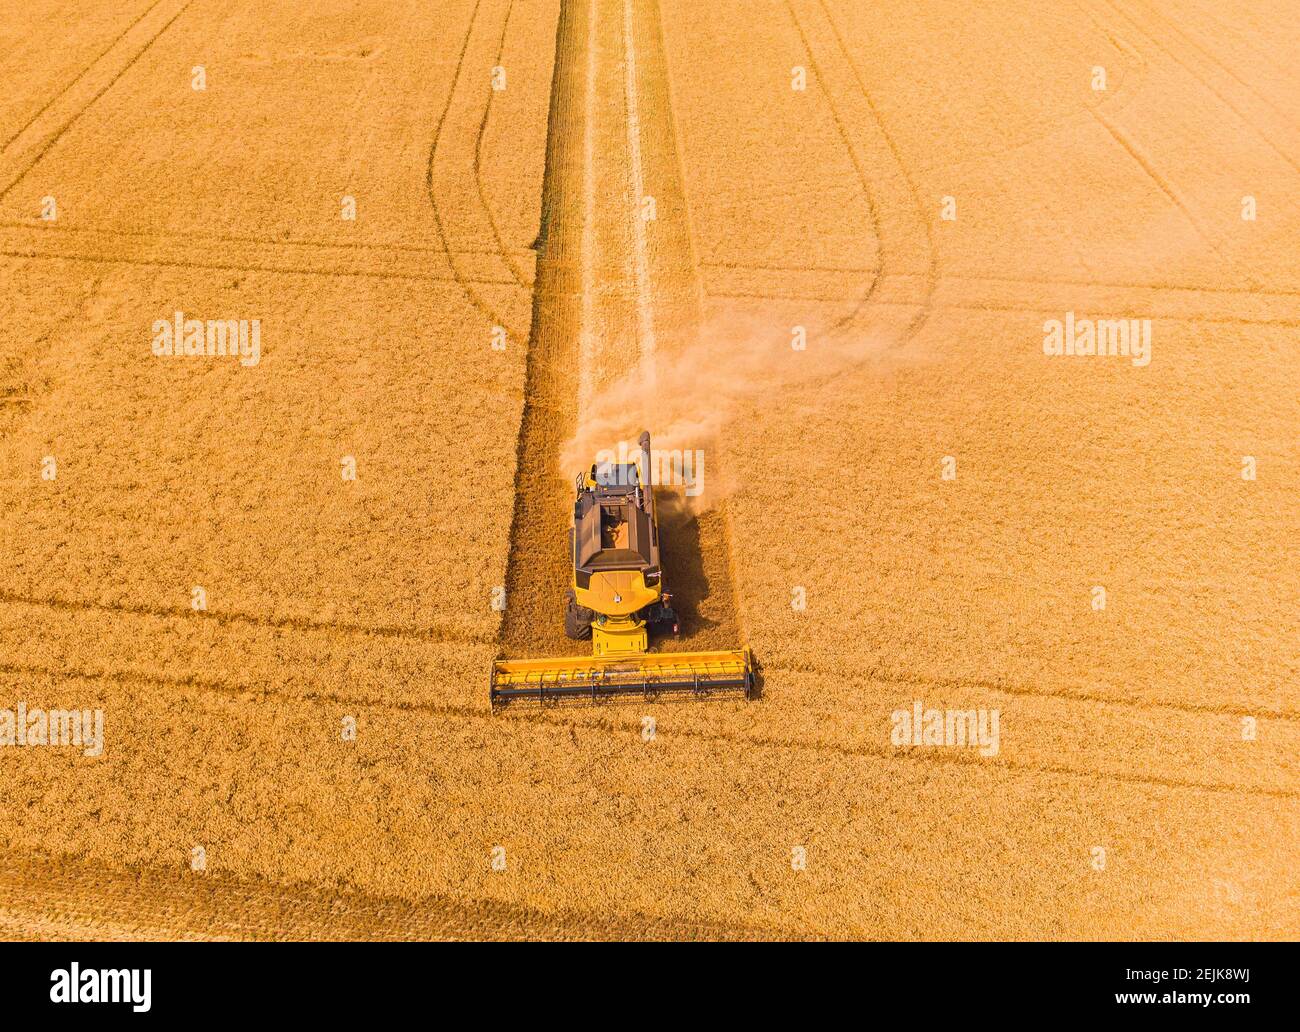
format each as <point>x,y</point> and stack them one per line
<point>617,306</point>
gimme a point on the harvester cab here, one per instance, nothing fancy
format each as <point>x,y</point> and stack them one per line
<point>616,597</point>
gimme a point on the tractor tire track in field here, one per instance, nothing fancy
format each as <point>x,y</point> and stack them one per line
<point>1208,58</point>
<point>46,241</point>
<point>931,272</point>
<point>615,295</point>
<point>207,237</point>
<point>903,230</point>
<point>516,270</point>
<point>1162,182</point>
<point>1025,280</point>
<point>25,150</point>
<point>462,281</point>
<point>16,392</point>
<point>79,76</point>
<point>466,283</point>
<point>62,899</point>
<point>439,632</point>
<point>557,717</point>
<point>863,181</point>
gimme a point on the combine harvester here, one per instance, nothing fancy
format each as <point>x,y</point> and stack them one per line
<point>617,594</point>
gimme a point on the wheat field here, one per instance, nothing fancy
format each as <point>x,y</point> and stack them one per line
<point>821,244</point>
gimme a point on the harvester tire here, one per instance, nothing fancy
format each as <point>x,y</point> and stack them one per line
<point>577,620</point>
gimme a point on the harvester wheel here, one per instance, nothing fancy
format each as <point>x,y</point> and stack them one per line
<point>577,620</point>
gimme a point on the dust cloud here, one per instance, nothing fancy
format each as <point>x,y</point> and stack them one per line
<point>689,401</point>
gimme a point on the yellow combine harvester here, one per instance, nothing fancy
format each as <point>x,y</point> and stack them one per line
<point>617,595</point>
